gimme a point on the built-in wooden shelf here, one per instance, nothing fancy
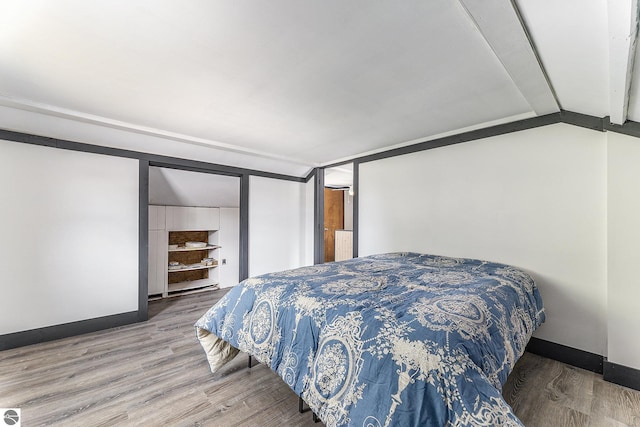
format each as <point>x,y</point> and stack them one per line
<point>204,248</point>
<point>191,267</point>
<point>191,285</point>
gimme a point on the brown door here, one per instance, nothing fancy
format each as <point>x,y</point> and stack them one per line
<point>333,220</point>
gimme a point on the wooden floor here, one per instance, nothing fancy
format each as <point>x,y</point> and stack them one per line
<point>155,373</point>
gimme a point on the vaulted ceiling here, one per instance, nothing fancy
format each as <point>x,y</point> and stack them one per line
<point>296,84</point>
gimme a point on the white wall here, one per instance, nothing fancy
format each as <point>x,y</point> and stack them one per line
<point>348,211</point>
<point>69,227</point>
<point>308,225</point>
<point>229,239</point>
<point>623,249</point>
<point>277,221</point>
<point>535,199</point>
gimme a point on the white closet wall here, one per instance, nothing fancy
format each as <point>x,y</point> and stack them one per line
<point>229,235</point>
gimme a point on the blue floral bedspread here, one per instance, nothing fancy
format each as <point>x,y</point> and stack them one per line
<point>400,339</point>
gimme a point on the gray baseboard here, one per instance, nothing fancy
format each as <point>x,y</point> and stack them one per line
<point>621,375</point>
<point>611,372</point>
<point>569,355</point>
<point>65,330</point>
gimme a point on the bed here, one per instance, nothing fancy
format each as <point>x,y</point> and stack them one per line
<point>393,339</point>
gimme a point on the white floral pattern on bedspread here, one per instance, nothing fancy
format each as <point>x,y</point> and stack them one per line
<point>400,339</point>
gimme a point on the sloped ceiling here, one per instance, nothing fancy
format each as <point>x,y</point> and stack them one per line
<point>304,83</point>
<point>185,188</point>
<point>571,37</point>
<point>588,49</point>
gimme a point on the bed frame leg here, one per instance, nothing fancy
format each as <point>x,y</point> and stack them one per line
<point>249,364</point>
<point>301,410</point>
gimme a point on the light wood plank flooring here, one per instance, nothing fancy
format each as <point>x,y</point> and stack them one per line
<point>155,373</point>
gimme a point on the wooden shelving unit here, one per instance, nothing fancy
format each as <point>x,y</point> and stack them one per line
<point>170,227</point>
<point>192,267</point>
<point>185,249</point>
<point>192,274</point>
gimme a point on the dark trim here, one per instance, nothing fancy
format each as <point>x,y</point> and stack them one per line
<point>600,124</point>
<point>569,355</point>
<point>153,159</point>
<point>197,166</point>
<point>338,164</point>
<point>356,197</point>
<point>310,175</point>
<point>621,375</point>
<point>143,240</point>
<point>244,227</point>
<point>65,330</point>
<point>577,119</point>
<point>27,138</point>
<point>318,217</point>
<point>191,168</point>
<point>520,125</point>
<point>66,145</point>
<point>611,372</point>
<point>582,120</point>
<point>628,128</point>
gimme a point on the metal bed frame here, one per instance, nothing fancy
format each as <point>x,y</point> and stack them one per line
<point>301,402</point>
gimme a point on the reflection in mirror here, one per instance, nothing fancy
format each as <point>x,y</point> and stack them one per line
<point>338,213</point>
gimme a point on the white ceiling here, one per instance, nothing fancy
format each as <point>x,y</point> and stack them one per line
<point>173,187</point>
<point>339,176</point>
<point>306,83</point>
<point>572,39</point>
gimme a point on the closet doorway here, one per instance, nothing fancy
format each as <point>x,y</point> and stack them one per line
<point>194,231</point>
<point>338,213</point>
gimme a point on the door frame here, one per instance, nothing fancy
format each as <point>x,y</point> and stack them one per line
<point>318,213</point>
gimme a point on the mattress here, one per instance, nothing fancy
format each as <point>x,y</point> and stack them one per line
<point>392,339</point>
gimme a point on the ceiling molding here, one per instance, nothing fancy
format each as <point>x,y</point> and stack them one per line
<point>485,125</point>
<point>155,160</point>
<point>502,129</point>
<point>52,111</point>
<point>500,24</point>
<point>623,35</point>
